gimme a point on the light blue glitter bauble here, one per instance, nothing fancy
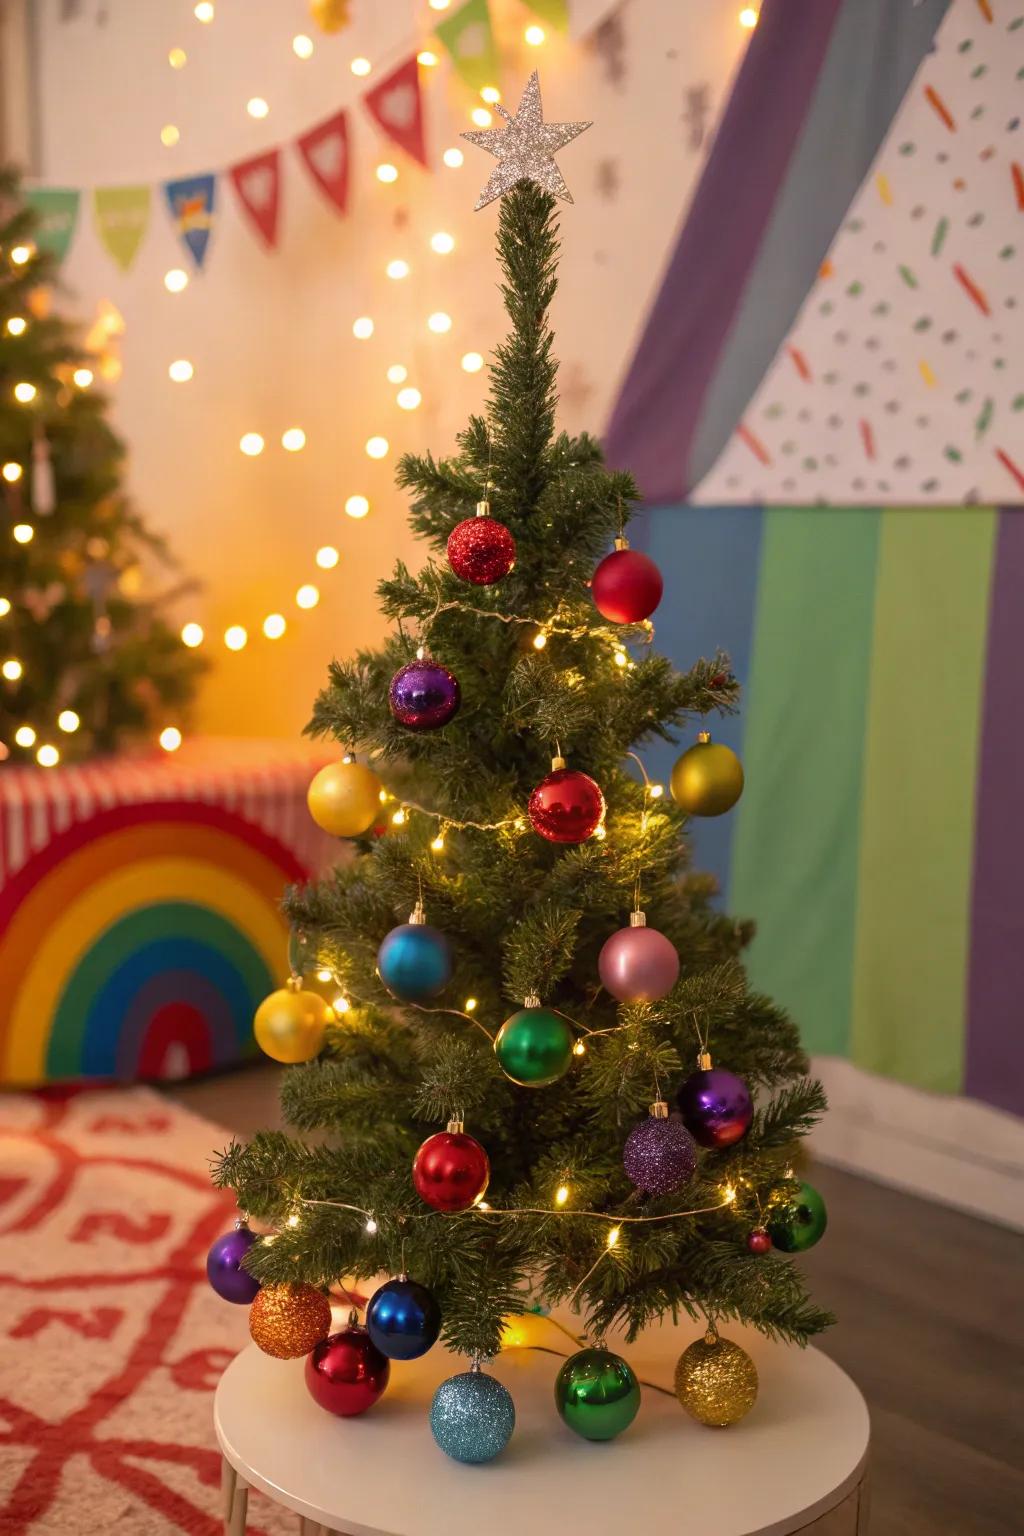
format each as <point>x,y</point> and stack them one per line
<point>472,1416</point>
<point>415,962</point>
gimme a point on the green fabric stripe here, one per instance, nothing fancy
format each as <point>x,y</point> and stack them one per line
<point>795,855</point>
<point>931,616</point>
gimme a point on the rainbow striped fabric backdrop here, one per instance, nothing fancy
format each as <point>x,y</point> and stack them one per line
<point>879,843</point>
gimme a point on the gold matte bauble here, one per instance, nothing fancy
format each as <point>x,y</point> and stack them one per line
<point>716,1380</point>
<point>289,1320</point>
<point>344,799</point>
<point>708,779</point>
<point>289,1024</point>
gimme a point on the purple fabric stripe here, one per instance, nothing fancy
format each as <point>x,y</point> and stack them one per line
<point>995,992</point>
<point>707,273</point>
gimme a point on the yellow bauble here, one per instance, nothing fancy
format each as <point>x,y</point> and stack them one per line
<point>344,799</point>
<point>289,1024</point>
<point>289,1320</point>
<point>708,779</point>
<point>330,15</point>
<point>716,1381</point>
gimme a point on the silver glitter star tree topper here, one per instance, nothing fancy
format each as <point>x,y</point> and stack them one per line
<point>525,150</point>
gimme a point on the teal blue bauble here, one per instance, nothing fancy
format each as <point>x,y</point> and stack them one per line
<point>472,1416</point>
<point>415,961</point>
<point>597,1394</point>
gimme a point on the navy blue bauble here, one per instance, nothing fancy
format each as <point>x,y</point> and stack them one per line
<point>403,1319</point>
<point>415,962</point>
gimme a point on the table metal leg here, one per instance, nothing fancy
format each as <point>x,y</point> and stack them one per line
<point>228,1479</point>
<point>235,1524</point>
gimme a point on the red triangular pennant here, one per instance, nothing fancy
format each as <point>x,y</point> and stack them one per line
<point>396,105</point>
<point>258,184</point>
<point>325,151</point>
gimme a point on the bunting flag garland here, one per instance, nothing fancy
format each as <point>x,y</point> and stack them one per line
<point>258,184</point>
<point>191,203</point>
<point>554,12</point>
<point>57,210</point>
<point>122,218</point>
<point>469,39</point>
<point>396,104</point>
<point>325,152</point>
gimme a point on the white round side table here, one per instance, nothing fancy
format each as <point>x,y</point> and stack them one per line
<point>796,1463</point>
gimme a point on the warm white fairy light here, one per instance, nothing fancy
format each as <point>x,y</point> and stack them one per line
<point>170,738</point>
<point>5,607</point>
<point>251,444</point>
<point>398,269</point>
<point>439,322</point>
<point>257,106</point>
<point>443,243</point>
<point>176,280</point>
<point>440,5</point>
<point>621,659</point>
<point>170,134</point>
<point>12,472</point>
<point>83,377</point>
<point>371,1227</point>
<point>579,1049</point>
<point>47,756</point>
<point>307,596</point>
<point>16,325</point>
<point>177,58</point>
<point>293,440</point>
<point>534,35</point>
<point>613,1236</point>
<point>453,158</point>
<point>341,1004</point>
<point>203,11</point>
<point>235,637</point>
<point>25,736</point>
<point>24,393</point>
<point>23,533</point>
<point>387,172</point>
<point>399,818</point>
<point>490,94</point>
<point>427,58</point>
<point>481,117</point>
<point>470,1004</point>
<point>397,373</point>
<point>302,46</point>
<point>192,635</point>
<point>437,843</point>
<point>360,66</point>
<point>540,640</point>
<point>293,1220</point>
<point>729,1193</point>
<point>561,1194</point>
<point>362,329</point>
<point>181,370</point>
<point>747,17</point>
<point>377,447</point>
<point>327,557</point>
<point>472,362</point>
<point>408,399</point>
<point>20,254</point>
<point>656,791</point>
<point>357,506</point>
<point>274,626</point>
<point>68,721</point>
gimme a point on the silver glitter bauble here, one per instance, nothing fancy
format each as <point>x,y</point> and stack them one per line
<point>472,1416</point>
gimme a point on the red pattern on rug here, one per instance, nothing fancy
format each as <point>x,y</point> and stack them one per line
<point>111,1341</point>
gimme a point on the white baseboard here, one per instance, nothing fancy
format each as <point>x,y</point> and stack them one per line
<point>957,1151</point>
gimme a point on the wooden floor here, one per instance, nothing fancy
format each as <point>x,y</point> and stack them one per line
<point>931,1309</point>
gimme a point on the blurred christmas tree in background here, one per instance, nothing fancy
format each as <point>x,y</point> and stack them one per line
<point>88,660</point>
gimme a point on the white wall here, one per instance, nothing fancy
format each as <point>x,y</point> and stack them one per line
<point>269,334</point>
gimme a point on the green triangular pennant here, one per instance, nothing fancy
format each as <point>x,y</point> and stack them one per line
<point>56,209</point>
<point>554,12</point>
<point>469,38</point>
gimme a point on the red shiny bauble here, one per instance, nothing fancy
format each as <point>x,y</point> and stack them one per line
<point>450,1171</point>
<point>346,1373</point>
<point>626,586</point>
<point>567,806</point>
<point>481,550</point>
<point>758,1240</point>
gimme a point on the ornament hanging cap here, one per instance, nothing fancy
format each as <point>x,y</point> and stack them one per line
<point>711,1333</point>
<point>418,916</point>
<point>557,763</point>
<point>704,737</point>
<point>638,919</point>
<point>704,1061</point>
<point>659,1110</point>
<point>483,509</point>
<point>294,983</point>
<point>621,542</point>
<point>455,1126</point>
<point>531,1000</point>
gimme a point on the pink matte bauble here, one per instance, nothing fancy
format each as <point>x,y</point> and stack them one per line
<point>638,965</point>
<point>626,587</point>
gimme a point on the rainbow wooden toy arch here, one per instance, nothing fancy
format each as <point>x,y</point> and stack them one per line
<point>139,943</point>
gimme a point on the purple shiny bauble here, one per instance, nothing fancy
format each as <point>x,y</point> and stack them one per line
<point>638,965</point>
<point>660,1155</point>
<point>224,1267</point>
<point>424,695</point>
<point>716,1107</point>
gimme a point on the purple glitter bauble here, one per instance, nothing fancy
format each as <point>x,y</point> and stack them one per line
<point>224,1267</point>
<point>660,1155</point>
<point>716,1107</point>
<point>638,965</point>
<point>424,695</point>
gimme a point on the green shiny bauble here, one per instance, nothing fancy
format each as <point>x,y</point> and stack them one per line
<point>708,779</point>
<point>597,1394</point>
<point>798,1220</point>
<point>534,1047</point>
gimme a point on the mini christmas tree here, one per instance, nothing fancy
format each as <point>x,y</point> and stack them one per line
<point>563,976</point>
<point>88,661</point>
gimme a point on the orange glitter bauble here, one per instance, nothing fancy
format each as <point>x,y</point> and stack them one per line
<point>288,1320</point>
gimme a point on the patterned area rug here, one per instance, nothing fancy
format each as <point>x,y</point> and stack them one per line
<point>111,1341</point>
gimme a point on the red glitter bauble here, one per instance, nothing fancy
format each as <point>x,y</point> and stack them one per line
<point>481,550</point>
<point>626,587</point>
<point>347,1372</point>
<point>450,1171</point>
<point>758,1240</point>
<point>567,806</point>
